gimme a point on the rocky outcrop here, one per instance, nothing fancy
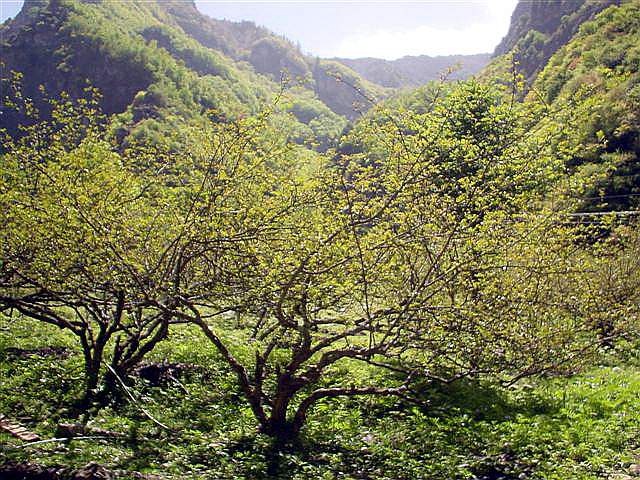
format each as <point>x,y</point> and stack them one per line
<point>40,44</point>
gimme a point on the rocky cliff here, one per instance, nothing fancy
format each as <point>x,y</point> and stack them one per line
<point>540,27</point>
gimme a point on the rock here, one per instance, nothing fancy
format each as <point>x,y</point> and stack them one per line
<point>30,471</point>
<point>159,374</point>
<point>71,430</point>
<point>93,471</point>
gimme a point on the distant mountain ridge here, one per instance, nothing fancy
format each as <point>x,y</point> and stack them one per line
<point>412,71</point>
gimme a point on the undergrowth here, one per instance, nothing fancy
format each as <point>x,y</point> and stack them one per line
<point>582,427</point>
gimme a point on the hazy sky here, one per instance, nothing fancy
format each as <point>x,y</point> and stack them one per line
<point>373,28</point>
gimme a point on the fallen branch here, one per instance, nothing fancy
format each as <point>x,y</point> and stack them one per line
<point>62,439</point>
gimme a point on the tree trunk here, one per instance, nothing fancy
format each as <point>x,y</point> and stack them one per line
<point>91,372</point>
<point>92,365</point>
<point>277,425</point>
<point>90,386</point>
<point>281,429</point>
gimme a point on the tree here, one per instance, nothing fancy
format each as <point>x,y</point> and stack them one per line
<point>84,231</point>
<point>429,254</point>
<point>434,261</point>
<point>99,237</point>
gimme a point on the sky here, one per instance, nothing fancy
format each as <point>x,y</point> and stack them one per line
<point>374,28</point>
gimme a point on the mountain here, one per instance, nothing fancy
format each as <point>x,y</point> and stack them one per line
<point>271,55</point>
<point>413,71</point>
<point>582,59</point>
<point>540,27</point>
<point>162,66</point>
<point>597,76</point>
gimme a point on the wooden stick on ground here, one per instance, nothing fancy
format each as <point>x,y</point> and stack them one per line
<point>17,430</point>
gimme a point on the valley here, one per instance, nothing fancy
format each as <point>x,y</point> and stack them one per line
<point>225,258</point>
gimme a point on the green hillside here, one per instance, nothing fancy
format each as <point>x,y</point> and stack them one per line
<point>583,65</point>
<point>597,75</point>
<point>156,76</point>
<point>540,27</point>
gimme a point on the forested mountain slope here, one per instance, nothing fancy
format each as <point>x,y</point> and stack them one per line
<point>597,76</point>
<point>540,27</point>
<point>583,60</point>
<point>158,76</point>
<point>276,57</point>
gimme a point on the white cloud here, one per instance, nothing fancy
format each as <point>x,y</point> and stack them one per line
<point>427,40</point>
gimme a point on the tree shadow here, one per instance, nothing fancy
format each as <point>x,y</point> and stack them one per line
<point>484,401</point>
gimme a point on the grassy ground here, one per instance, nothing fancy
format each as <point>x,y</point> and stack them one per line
<point>583,427</point>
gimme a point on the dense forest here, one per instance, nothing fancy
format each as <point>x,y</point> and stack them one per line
<point>222,258</point>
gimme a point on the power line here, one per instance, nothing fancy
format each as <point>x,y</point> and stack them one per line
<point>602,197</point>
<point>601,214</point>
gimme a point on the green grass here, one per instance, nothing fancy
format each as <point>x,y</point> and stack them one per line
<point>583,427</point>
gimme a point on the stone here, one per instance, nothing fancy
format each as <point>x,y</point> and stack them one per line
<point>93,471</point>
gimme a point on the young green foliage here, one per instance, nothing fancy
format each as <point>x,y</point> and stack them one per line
<point>84,227</point>
<point>430,258</point>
